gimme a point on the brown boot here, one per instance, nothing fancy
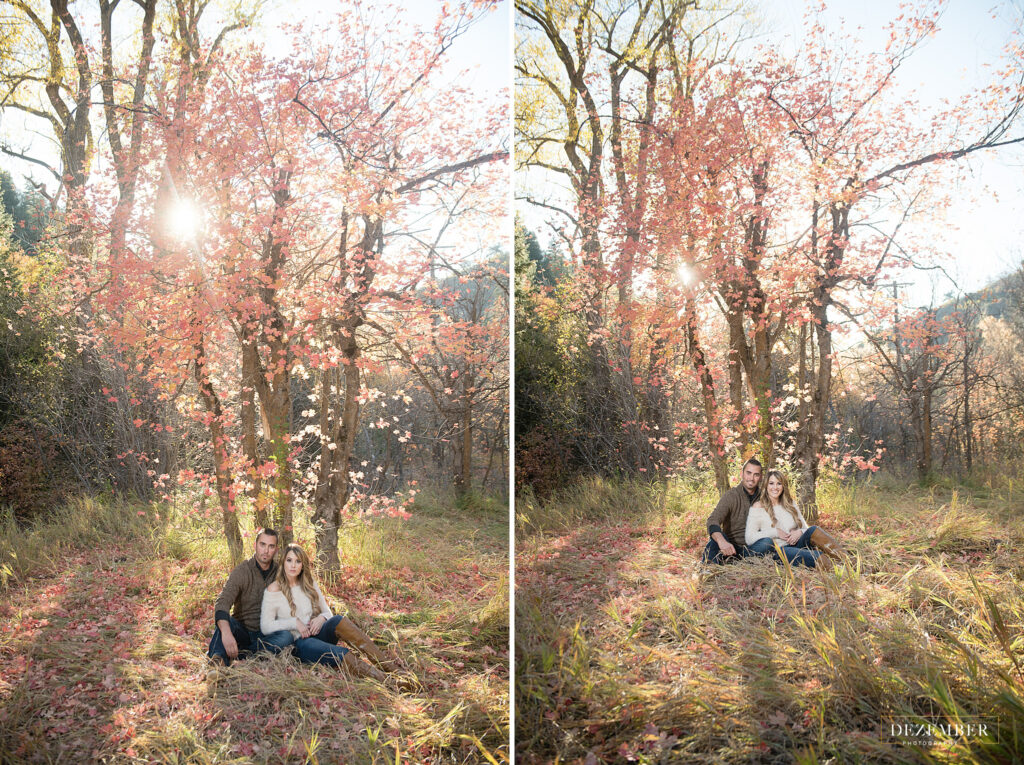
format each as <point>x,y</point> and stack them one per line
<point>356,638</point>
<point>359,668</point>
<point>827,544</point>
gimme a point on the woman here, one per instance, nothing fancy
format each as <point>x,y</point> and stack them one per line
<point>293,601</point>
<point>775,516</point>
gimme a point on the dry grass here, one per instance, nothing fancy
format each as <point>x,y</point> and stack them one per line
<point>628,650</point>
<point>102,646</point>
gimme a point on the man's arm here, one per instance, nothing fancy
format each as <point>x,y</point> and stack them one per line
<point>725,506</point>
<point>229,595</point>
<point>228,639</point>
<point>222,608</point>
<point>724,544</point>
<point>717,518</point>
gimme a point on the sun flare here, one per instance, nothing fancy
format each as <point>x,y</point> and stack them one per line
<point>184,220</point>
<point>685,274</point>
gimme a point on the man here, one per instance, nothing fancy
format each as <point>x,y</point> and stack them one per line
<point>238,633</point>
<point>727,524</point>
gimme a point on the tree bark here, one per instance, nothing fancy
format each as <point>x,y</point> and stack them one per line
<point>968,452</point>
<point>813,443</point>
<point>711,412</point>
<point>338,426</point>
<point>273,378</point>
<point>250,446</point>
<point>464,476</point>
<point>221,461</point>
<point>926,432</point>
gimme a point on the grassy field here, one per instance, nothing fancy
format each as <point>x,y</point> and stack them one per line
<point>627,650</point>
<point>106,612</point>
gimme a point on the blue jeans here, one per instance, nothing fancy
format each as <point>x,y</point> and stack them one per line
<point>713,553</point>
<point>322,648</point>
<point>249,641</point>
<point>799,554</point>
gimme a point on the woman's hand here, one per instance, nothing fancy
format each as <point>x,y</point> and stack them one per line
<point>317,624</point>
<point>302,627</point>
<point>794,536</point>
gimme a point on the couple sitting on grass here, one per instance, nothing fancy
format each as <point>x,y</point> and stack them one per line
<point>760,518</point>
<point>275,606</point>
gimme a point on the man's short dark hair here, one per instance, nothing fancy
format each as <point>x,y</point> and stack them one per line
<point>269,532</point>
<point>753,461</point>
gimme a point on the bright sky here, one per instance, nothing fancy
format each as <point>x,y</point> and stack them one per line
<point>983,230</point>
<point>485,51</point>
<point>483,54</point>
<point>479,60</point>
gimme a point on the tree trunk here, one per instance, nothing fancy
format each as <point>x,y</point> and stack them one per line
<point>464,476</point>
<point>126,159</point>
<point>820,380</point>
<point>273,379</point>
<point>968,455</point>
<point>711,413</point>
<point>250,446</point>
<point>658,406</point>
<point>221,462</point>
<point>334,484</point>
<point>737,345</point>
<point>813,429</point>
<point>276,414</point>
<point>916,401</point>
<point>761,393</point>
<point>926,432</point>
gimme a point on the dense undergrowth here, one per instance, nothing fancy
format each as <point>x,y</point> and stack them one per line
<point>628,650</point>
<point>106,612</point>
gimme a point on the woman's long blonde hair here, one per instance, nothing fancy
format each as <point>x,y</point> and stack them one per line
<point>785,499</point>
<point>306,581</point>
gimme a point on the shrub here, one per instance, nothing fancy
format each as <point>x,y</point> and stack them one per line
<point>542,463</point>
<point>33,477</point>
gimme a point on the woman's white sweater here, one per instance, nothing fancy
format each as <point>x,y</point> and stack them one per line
<point>276,614</point>
<point>759,522</point>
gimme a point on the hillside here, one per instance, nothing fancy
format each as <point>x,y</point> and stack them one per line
<point>994,299</point>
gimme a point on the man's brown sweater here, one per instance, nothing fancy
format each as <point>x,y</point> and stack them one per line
<point>243,593</point>
<point>730,515</point>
